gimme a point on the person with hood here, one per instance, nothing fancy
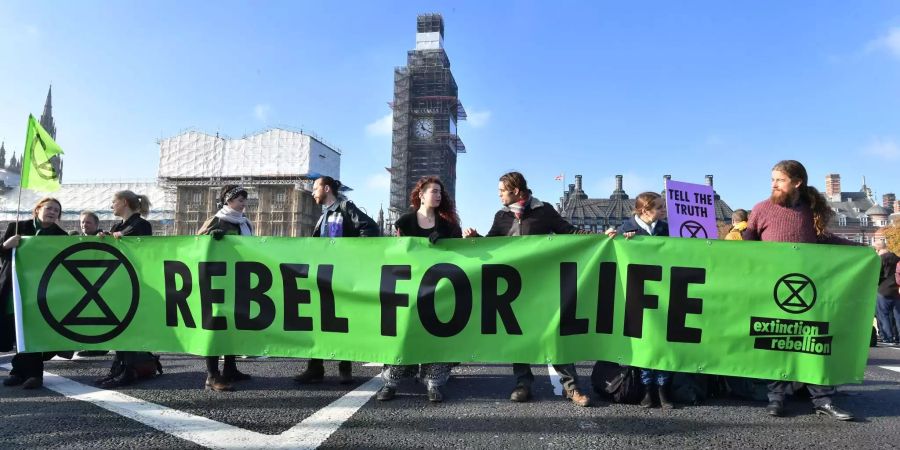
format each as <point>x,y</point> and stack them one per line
<point>739,224</point>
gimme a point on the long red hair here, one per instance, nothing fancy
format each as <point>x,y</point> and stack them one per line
<point>446,209</point>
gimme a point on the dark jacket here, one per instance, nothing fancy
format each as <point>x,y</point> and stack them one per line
<point>537,218</point>
<point>408,225</point>
<point>215,223</point>
<point>134,226</point>
<point>7,325</point>
<point>661,229</point>
<point>887,280</point>
<point>356,223</point>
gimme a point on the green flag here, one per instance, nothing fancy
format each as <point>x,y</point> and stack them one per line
<point>38,170</point>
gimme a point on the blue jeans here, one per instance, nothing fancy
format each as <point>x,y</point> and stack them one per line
<point>650,377</point>
<point>883,312</point>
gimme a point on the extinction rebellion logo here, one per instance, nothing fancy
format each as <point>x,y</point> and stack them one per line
<point>72,298</point>
<point>794,293</point>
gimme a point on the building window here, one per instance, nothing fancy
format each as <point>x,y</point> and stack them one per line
<point>842,220</point>
<point>864,221</point>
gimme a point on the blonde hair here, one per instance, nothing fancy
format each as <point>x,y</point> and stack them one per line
<point>135,202</point>
<point>40,204</point>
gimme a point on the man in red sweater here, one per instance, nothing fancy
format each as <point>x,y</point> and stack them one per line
<point>796,212</point>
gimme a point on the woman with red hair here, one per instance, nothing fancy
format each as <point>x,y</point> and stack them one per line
<point>433,216</point>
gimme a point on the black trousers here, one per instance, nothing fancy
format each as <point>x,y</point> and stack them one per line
<point>212,365</point>
<point>568,376</point>
<point>821,395</point>
<point>318,365</point>
<point>27,365</point>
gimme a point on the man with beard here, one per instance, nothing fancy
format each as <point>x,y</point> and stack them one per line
<point>796,212</point>
<point>340,218</point>
<point>525,215</point>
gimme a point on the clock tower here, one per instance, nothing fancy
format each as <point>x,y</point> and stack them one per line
<point>426,110</point>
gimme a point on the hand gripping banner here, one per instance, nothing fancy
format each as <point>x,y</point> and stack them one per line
<point>764,310</point>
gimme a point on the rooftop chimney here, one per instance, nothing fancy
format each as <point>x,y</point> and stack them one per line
<point>897,206</point>
<point>619,183</point>
<point>577,182</point>
<point>709,180</point>
<point>887,200</point>
<point>833,187</point>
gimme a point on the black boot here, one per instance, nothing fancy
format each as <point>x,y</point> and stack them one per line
<point>647,401</point>
<point>664,401</point>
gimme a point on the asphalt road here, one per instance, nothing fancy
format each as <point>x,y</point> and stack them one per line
<point>271,411</point>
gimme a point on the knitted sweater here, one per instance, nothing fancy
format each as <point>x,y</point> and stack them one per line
<point>772,222</point>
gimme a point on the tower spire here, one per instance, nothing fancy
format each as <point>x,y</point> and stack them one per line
<point>47,116</point>
<point>2,155</point>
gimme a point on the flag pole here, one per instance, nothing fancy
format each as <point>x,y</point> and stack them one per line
<point>18,205</point>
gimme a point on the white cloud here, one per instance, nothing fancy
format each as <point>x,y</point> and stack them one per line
<point>890,42</point>
<point>381,127</point>
<point>261,112</point>
<point>478,119</point>
<point>380,180</point>
<point>884,148</point>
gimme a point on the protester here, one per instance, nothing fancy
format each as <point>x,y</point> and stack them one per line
<point>649,211</point>
<point>433,216</point>
<point>230,219</point>
<point>739,224</point>
<point>795,212</point>
<point>522,215</point>
<point>340,218</point>
<point>27,368</point>
<point>89,224</point>
<point>888,296</point>
<point>128,366</point>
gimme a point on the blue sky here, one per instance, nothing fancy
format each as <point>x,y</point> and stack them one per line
<point>641,89</point>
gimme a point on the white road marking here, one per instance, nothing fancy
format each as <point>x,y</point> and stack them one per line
<point>554,380</point>
<point>894,368</point>
<point>308,434</point>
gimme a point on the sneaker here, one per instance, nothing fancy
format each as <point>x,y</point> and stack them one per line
<point>775,408</point>
<point>217,383</point>
<point>520,394</point>
<point>386,393</point>
<point>435,395</point>
<point>13,380</point>
<point>578,398</point>
<point>309,377</point>
<point>33,383</point>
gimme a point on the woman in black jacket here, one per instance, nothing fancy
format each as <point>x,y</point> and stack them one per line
<point>130,207</point>
<point>27,368</point>
<point>432,216</point>
<point>230,219</point>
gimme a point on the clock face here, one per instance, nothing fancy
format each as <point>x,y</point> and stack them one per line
<point>424,128</point>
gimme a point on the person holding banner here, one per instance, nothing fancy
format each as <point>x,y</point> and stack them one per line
<point>27,368</point>
<point>340,218</point>
<point>795,212</point>
<point>522,215</point>
<point>432,216</point>
<point>128,367</point>
<point>230,219</point>
<point>649,212</point>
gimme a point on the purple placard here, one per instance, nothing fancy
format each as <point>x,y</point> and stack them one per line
<point>691,209</point>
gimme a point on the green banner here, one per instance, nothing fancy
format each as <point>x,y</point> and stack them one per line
<point>764,310</point>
